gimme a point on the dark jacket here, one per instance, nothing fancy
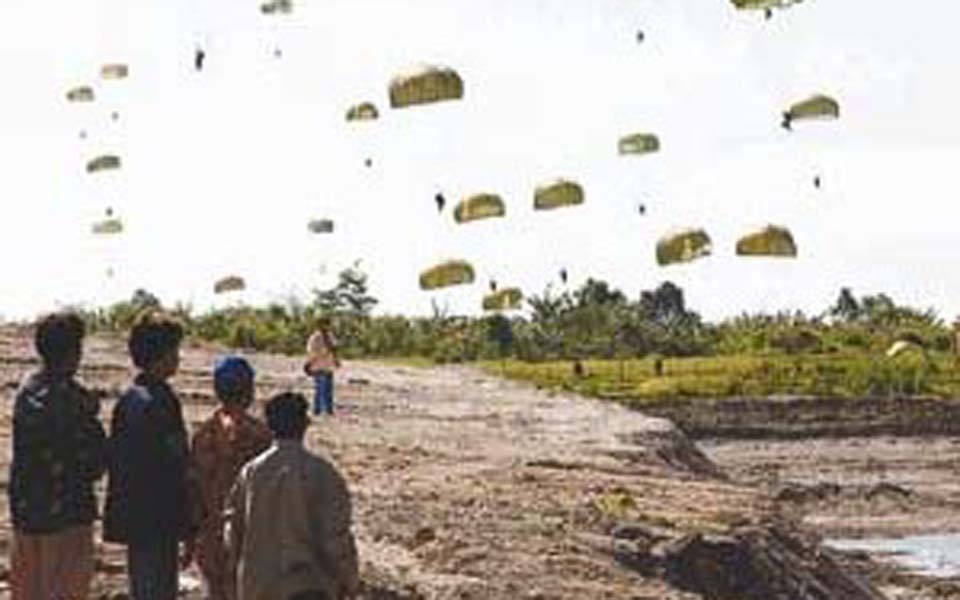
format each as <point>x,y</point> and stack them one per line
<point>58,454</point>
<point>147,494</point>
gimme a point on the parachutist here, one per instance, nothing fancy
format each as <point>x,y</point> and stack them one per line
<point>816,182</point>
<point>642,209</point>
<point>563,276</point>
<point>787,122</point>
<point>109,212</point>
<point>441,202</point>
<point>368,163</point>
<point>277,53</point>
<point>640,37</point>
<point>198,58</point>
<point>83,134</point>
<point>768,13</point>
<point>115,116</point>
<point>493,285</point>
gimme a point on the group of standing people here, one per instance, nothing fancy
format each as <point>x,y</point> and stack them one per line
<point>264,518</point>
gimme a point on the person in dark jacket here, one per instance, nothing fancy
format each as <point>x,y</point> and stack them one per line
<point>58,454</point>
<point>149,497</point>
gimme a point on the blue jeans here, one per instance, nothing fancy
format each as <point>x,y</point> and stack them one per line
<point>323,393</point>
<point>152,568</point>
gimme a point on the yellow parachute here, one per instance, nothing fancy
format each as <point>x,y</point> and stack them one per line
<point>108,227</point>
<point>114,71</point>
<point>83,93</point>
<point>320,226</point>
<point>558,193</point>
<point>769,241</point>
<point>818,106</point>
<point>425,85</point>
<point>639,143</point>
<point>103,163</point>
<point>505,299</point>
<point>365,111</point>
<point>231,283</point>
<point>480,206</point>
<point>683,246</point>
<point>449,273</point>
<point>274,7</point>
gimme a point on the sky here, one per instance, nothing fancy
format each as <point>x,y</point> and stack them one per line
<point>224,168</point>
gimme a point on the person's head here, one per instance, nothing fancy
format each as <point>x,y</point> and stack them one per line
<point>233,381</point>
<point>154,344</point>
<point>287,416</point>
<point>59,342</point>
<point>323,323</point>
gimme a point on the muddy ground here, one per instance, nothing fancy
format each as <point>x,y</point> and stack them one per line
<point>466,486</point>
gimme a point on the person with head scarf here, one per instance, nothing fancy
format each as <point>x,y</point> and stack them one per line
<point>225,442</point>
<point>322,361</point>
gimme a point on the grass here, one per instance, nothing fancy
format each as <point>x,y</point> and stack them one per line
<point>636,382</point>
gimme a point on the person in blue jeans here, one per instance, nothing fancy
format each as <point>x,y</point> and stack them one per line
<point>321,363</point>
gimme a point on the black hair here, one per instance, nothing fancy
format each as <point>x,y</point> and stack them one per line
<point>153,336</point>
<point>287,415</point>
<point>58,337</point>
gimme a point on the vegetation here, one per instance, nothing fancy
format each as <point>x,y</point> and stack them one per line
<point>598,341</point>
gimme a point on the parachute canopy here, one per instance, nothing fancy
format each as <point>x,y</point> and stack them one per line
<point>83,93</point>
<point>320,226</point>
<point>365,111</point>
<point>814,107</point>
<point>114,71</point>
<point>449,273</point>
<point>505,299</point>
<point>274,7</point>
<point>480,206</point>
<point>769,241</point>
<point>556,194</point>
<point>103,163</point>
<point>638,143</point>
<point>108,227</point>
<point>683,246</point>
<point>763,4</point>
<point>231,283</point>
<point>425,85</point>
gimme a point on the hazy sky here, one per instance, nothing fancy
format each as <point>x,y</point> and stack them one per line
<point>223,169</point>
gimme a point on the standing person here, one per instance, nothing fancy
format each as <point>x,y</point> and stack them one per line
<point>58,454</point>
<point>221,446</point>
<point>288,518</point>
<point>321,362</point>
<point>148,498</point>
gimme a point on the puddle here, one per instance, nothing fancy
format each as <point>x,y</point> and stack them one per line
<point>934,555</point>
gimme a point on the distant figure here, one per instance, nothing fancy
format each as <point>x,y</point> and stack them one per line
<point>493,285</point>
<point>768,13</point>
<point>277,53</point>
<point>221,446</point>
<point>642,209</point>
<point>288,518</point>
<point>368,162</point>
<point>441,202</point>
<point>198,58</point>
<point>109,212</point>
<point>83,134</point>
<point>115,116</point>
<point>321,362</point>
<point>152,500</point>
<point>563,276</point>
<point>58,454</point>
<point>578,370</point>
<point>816,182</point>
<point>787,122</point>
<point>640,37</point>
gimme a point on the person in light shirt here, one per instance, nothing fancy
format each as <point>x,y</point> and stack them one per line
<point>322,361</point>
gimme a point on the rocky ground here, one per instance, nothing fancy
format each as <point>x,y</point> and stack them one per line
<point>467,486</point>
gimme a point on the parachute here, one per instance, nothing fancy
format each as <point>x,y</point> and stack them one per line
<point>365,111</point>
<point>82,93</point>
<point>505,299</point>
<point>556,194</point>
<point>818,106</point>
<point>231,283</point>
<point>425,85</point>
<point>284,7</point>
<point>769,241</point>
<point>480,206</point>
<point>114,71</point>
<point>764,5</point>
<point>639,143</point>
<point>108,227</point>
<point>449,273</point>
<point>103,163</point>
<point>320,226</point>
<point>683,246</point>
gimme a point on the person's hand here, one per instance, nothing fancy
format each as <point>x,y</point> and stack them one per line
<point>188,554</point>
